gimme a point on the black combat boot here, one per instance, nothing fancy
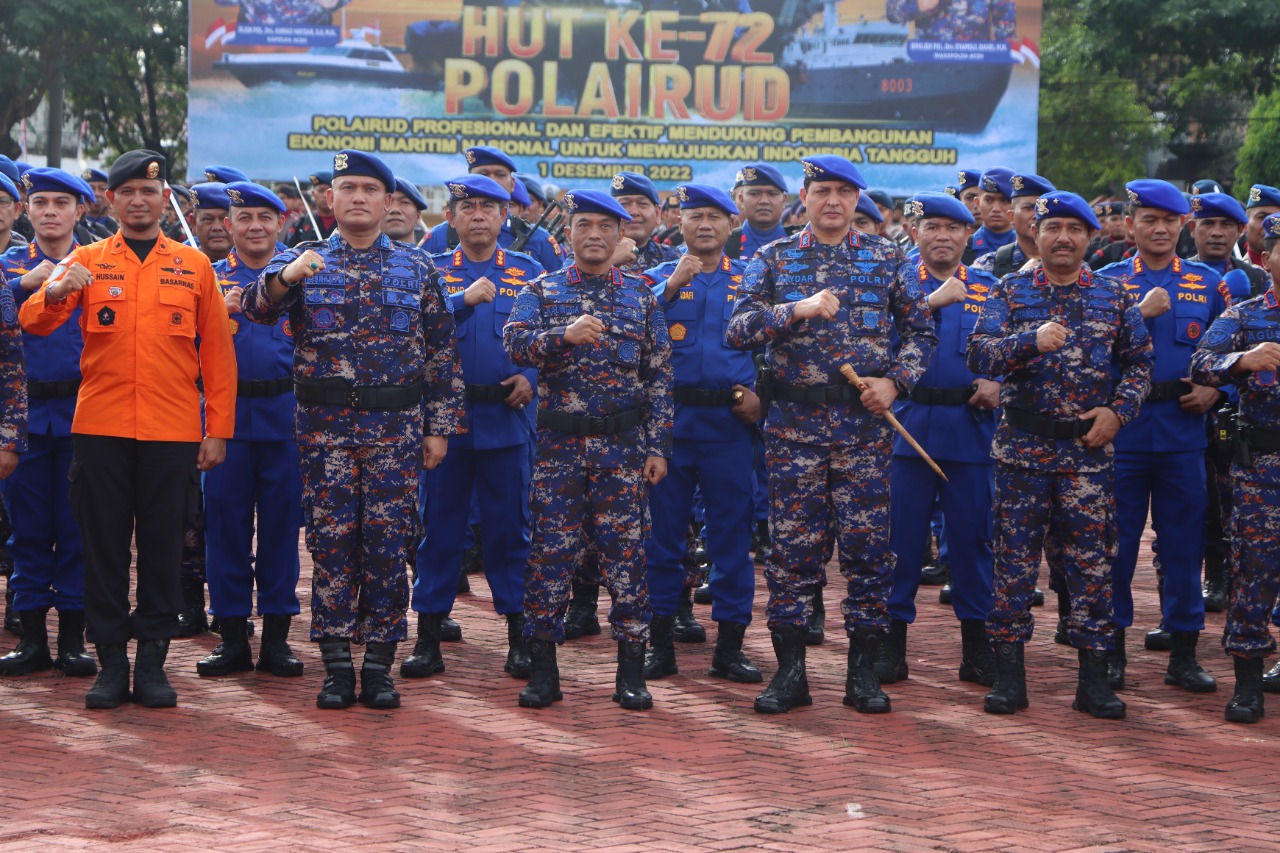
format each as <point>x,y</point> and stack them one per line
<point>1158,639</point>
<point>377,690</point>
<point>151,688</point>
<point>275,656</point>
<point>12,623</point>
<point>702,594</point>
<point>72,659</point>
<point>1009,693</point>
<point>192,619</point>
<point>686,628</point>
<point>660,659</point>
<point>1060,635</point>
<point>111,688</point>
<point>629,688</point>
<point>977,661</point>
<point>426,659</point>
<point>861,687</point>
<point>450,631</point>
<point>728,661</point>
<point>1215,580</point>
<point>891,659</point>
<point>544,679</point>
<point>473,557</point>
<point>1246,706</point>
<point>817,621</point>
<point>1271,681</point>
<point>580,620</point>
<point>1093,694</point>
<point>233,653</point>
<point>936,573</point>
<point>32,651</point>
<point>1117,662</point>
<point>1184,670</point>
<point>339,690</point>
<point>518,663</point>
<point>789,687</point>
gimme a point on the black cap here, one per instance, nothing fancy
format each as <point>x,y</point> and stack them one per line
<point>139,163</point>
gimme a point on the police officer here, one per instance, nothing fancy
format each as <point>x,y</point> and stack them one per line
<point>258,487</point>
<point>321,207</point>
<point>1159,455</point>
<point>867,217</point>
<point>969,191</point>
<point>761,194</point>
<point>1115,241</point>
<point>379,387</point>
<point>1053,333</point>
<point>136,435</point>
<point>97,220</point>
<point>10,209</point>
<point>816,301</point>
<point>490,455</point>
<point>599,342</point>
<point>958,20</point>
<point>1263,201</point>
<point>493,163</point>
<point>537,195</point>
<point>715,414</point>
<point>994,203</point>
<point>951,413</point>
<point>404,214</point>
<point>225,175</point>
<point>1240,349</point>
<point>209,222</point>
<point>47,553</point>
<point>1026,189</point>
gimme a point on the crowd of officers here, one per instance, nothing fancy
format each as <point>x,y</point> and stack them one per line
<point>997,371</point>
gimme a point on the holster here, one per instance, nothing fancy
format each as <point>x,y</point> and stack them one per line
<point>764,385</point>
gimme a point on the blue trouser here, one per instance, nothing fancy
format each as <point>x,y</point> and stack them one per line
<point>48,557</point>
<point>723,469</point>
<point>500,478</point>
<point>966,504</point>
<point>261,476</point>
<point>1173,485</point>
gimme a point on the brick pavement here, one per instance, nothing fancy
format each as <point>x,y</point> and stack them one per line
<point>248,763</point>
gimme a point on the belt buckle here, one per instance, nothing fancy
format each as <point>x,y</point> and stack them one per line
<point>353,397</point>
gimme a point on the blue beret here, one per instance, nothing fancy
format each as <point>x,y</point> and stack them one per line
<point>180,191</point>
<point>9,169</point>
<point>138,163</point>
<point>224,174</point>
<point>411,192</point>
<point>593,201</point>
<point>249,194</point>
<point>533,186</point>
<point>1059,204</point>
<point>1161,195</point>
<point>631,183</point>
<point>349,163</point>
<point>1208,185</point>
<point>8,186</point>
<point>701,195</point>
<point>23,166</point>
<point>46,180</point>
<point>92,175</point>
<point>211,195</point>
<point>881,198</point>
<point>970,179</point>
<point>941,206</point>
<point>954,192</point>
<point>477,186</point>
<point>759,175</point>
<point>1029,185</point>
<point>1261,195</point>
<point>487,155</point>
<point>324,176</point>
<point>997,180</point>
<point>867,206</point>
<point>1271,227</point>
<point>830,167</point>
<point>1214,204</point>
<point>1109,208</point>
<point>520,195</point>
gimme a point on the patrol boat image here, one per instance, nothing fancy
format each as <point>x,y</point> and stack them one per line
<point>351,60</point>
<point>862,69</point>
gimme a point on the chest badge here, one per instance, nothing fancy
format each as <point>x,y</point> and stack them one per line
<point>677,331</point>
<point>115,292</point>
<point>106,317</point>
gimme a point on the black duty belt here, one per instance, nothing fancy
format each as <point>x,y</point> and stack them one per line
<point>1260,439</point>
<point>588,424</point>
<point>814,393</point>
<point>264,387</point>
<point>340,392</point>
<point>1168,391</point>
<point>942,396</point>
<point>52,390</point>
<point>1046,427</point>
<point>489,393</point>
<point>704,396</point>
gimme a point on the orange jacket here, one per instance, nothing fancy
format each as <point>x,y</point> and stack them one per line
<point>140,360</point>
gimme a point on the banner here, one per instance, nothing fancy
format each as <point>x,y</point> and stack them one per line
<point>680,90</point>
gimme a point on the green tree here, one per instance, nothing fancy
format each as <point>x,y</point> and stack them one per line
<point>1260,155</point>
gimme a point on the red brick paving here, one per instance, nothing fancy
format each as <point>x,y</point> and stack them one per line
<point>248,763</point>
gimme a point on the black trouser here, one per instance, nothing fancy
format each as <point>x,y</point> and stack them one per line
<point>116,482</point>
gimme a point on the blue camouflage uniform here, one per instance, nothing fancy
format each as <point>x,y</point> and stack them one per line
<point>828,458</point>
<point>712,449</point>
<point>589,496</point>
<point>259,478</point>
<point>958,20</point>
<point>958,437</point>
<point>490,455</point>
<point>367,329</point>
<point>48,556</point>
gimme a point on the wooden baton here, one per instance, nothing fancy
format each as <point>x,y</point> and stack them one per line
<point>849,373</point>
